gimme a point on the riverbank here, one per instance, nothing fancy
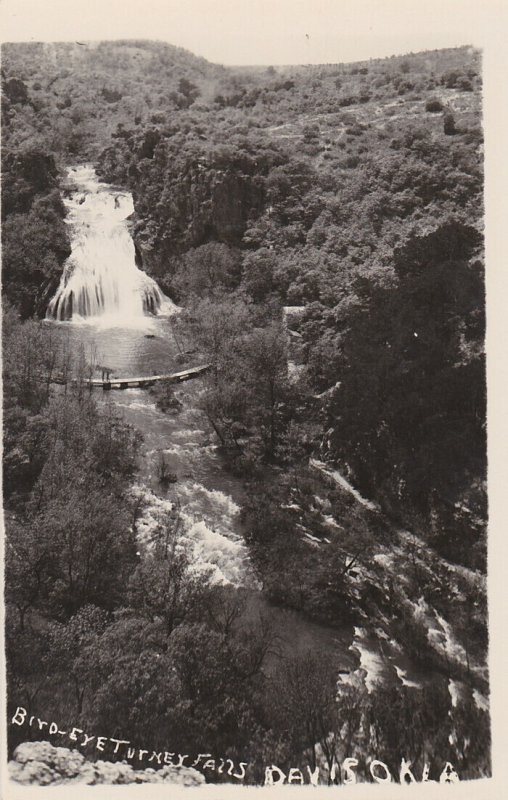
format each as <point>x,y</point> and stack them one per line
<point>208,499</point>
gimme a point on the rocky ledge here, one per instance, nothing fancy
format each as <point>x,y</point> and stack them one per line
<point>42,764</point>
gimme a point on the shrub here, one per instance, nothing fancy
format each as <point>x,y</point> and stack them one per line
<point>434,105</point>
<point>449,124</point>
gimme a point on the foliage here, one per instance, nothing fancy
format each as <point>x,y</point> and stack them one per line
<point>248,398</point>
<point>421,376</point>
<point>34,238</point>
<point>353,192</point>
<point>206,270</point>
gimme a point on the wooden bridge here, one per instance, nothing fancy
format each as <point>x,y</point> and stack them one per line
<point>149,380</point>
<point>144,381</point>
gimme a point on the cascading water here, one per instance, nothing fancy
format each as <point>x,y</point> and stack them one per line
<point>100,280</point>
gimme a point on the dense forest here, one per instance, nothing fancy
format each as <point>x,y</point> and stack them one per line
<point>322,230</point>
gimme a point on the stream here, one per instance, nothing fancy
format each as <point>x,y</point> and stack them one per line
<point>122,320</point>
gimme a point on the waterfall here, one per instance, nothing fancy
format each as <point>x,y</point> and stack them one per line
<point>101,281</point>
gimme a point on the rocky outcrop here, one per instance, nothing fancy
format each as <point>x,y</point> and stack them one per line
<point>42,764</point>
<point>198,203</point>
<point>187,194</point>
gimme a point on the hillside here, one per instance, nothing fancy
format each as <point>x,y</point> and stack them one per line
<point>69,98</point>
<point>356,193</point>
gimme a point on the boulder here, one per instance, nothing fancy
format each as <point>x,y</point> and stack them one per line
<point>41,763</point>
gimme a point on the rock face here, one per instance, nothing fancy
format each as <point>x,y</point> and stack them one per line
<point>198,203</point>
<point>41,763</point>
<point>187,197</point>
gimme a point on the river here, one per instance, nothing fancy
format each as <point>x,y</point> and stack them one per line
<point>103,303</point>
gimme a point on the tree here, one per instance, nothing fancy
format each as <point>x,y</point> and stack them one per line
<point>34,245</point>
<point>267,388</point>
<point>187,93</point>
<point>133,690</point>
<point>258,274</point>
<point>413,356</point>
<point>207,271</point>
<point>92,548</point>
<point>193,685</point>
<point>434,105</point>
<point>217,693</point>
<point>449,124</point>
<point>32,358</point>
<point>163,587</point>
<point>67,643</point>
<point>216,327</point>
<point>302,704</point>
<point>27,569</point>
<point>29,665</point>
<point>413,722</point>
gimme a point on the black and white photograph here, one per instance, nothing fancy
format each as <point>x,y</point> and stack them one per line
<point>246,493</point>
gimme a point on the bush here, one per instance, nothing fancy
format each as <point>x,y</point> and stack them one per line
<point>434,105</point>
<point>310,133</point>
<point>449,124</point>
<point>465,85</point>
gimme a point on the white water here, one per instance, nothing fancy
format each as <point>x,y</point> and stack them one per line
<point>101,282</point>
<point>207,536</point>
<point>338,478</point>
